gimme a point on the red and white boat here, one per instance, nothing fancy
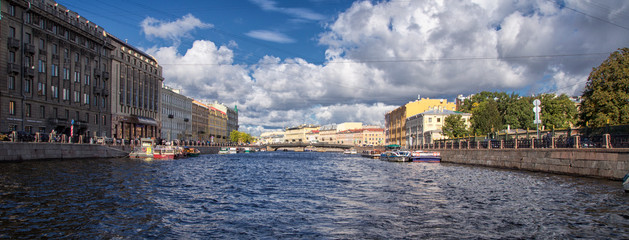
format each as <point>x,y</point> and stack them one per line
<point>425,156</point>
<point>164,152</point>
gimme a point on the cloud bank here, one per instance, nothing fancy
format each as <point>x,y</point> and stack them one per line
<point>382,55</point>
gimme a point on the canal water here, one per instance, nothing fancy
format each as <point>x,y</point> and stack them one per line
<point>277,195</point>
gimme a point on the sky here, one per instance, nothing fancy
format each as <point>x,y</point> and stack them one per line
<point>286,63</point>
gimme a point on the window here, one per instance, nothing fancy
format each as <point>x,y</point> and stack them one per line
<point>42,44</point>
<point>11,107</point>
<point>42,66</point>
<point>55,91</point>
<point>27,110</point>
<point>438,119</point>
<point>77,116</point>
<point>87,117</point>
<point>41,88</point>
<point>104,122</point>
<point>429,120</point>
<point>54,112</point>
<point>11,57</point>
<point>12,32</point>
<point>77,96</point>
<point>27,38</point>
<point>42,111</point>
<point>27,17</point>
<point>27,86</point>
<point>12,10</point>
<point>86,98</point>
<point>77,57</point>
<point>12,82</point>
<point>87,80</point>
<point>27,61</point>
<point>96,119</point>
<point>54,70</point>
<point>66,53</point>
<point>67,114</point>
<point>28,129</point>
<point>54,49</point>
<point>66,94</point>
<point>66,74</point>
<point>77,76</point>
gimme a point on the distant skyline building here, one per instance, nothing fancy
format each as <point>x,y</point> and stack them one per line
<point>426,127</point>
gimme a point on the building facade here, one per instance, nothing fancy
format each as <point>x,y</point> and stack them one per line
<point>327,133</point>
<point>373,136</point>
<point>176,115</point>
<point>218,126</point>
<point>200,118</point>
<point>426,127</point>
<point>395,121</point>
<point>136,82</point>
<point>55,71</point>
<point>298,134</point>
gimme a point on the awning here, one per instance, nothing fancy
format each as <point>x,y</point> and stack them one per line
<point>147,121</point>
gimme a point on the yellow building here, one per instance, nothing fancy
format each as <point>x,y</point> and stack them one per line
<point>217,125</point>
<point>373,137</point>
<point>298,134</point>
<point>395,121</point>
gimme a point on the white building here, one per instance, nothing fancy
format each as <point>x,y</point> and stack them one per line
<point>176,114</point>
<point>426,127</point>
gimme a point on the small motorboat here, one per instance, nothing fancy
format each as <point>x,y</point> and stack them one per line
<point>145,150</point>
<point>425,156</point>
<point>191,152</point>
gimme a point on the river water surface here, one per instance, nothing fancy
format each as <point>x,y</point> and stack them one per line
<point>301,196</point>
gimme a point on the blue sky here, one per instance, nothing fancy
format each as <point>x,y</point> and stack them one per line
<point>330,61</point>
<point>279,28</point>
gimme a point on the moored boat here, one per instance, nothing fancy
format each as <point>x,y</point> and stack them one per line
<point>425,156</point>
<point>625,183</point>
<point>192,152</point>
<point>145,150</point>
<point>396,156</point>
<point>164,152</point>
<point>375,153</point>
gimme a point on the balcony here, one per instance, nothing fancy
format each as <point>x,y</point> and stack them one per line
<point>14,43</point>
<point>55,56</point>
<point>42,52</point>
<point>106,75</point>
<point>97,73</point>
<point>29,49</point>
<point>105,92</point>
<point>96,90</point>
<point>13,68</point>
<point>29,72</point>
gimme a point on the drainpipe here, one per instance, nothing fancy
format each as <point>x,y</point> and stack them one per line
<point>22,70</point>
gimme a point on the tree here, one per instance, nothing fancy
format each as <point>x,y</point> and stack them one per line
<point>518,113</point>
<point>486,118</point>
<point>240,137</point>
<point>234,136</point>
<point>557,111</point>
<point>606,94</point>
<point>454,126</point>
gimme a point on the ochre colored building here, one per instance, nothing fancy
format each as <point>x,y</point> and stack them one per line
<point>395,121</point>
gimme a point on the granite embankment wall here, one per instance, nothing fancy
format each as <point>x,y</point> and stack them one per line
<point>10,151</point>
<point>604,163</point>
<point>18,151</point>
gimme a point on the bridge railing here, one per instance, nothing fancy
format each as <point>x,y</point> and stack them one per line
<point>576,141</point>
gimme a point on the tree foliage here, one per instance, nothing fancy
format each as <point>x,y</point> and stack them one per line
<point>454,126</point>
<point>557,111</point>
<point>606,94</point>
<point>486,118</point>
<point>240,137</point>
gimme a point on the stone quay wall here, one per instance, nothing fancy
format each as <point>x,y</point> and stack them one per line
<point>18,151</point>
<point>603,163</point>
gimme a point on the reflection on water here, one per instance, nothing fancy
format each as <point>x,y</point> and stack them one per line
<point>301,195</point>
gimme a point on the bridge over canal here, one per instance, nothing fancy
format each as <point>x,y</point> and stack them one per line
<point>303,146</point>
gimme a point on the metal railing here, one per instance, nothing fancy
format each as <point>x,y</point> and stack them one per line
<point>576,141</point>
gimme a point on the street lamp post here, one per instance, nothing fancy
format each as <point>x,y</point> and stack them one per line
<point>171,127</point>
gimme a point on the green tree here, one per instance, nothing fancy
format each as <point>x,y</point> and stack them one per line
<point>234,136</point>
<point>518,112</point>
<point>557,111</point>
<point>606,94</point>
<point>454,126</point>
<point>486,118</point>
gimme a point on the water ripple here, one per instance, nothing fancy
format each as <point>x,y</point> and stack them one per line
<point>301,195</point>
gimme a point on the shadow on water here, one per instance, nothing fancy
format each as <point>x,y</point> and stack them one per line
<point>300,195</point>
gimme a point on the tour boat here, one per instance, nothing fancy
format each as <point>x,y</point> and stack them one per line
<point>396,156</point>
<point>425,156</point>
<point>145,150</point>
<point>164,152</point>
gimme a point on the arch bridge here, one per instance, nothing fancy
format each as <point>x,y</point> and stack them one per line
<point>304,145</point>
